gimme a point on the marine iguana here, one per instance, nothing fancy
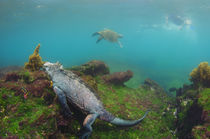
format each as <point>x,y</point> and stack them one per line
<point>69,87</point>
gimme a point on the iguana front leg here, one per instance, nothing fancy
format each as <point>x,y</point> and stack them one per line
<point>62,101</point>
<point>87,129</point>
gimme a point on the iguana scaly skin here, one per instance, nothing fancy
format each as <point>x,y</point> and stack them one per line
<point>69,87</point>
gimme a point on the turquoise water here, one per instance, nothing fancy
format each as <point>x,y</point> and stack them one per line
<point>152,46</point>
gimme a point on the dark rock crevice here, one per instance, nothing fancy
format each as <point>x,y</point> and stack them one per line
<point>191,119</point>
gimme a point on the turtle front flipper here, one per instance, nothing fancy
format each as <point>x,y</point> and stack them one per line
<point>99,39</point>
<point>94,34</point>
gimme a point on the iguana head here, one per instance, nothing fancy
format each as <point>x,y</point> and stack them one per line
<point>50,68</point>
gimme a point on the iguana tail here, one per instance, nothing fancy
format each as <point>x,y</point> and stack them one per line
<point>121,122</point>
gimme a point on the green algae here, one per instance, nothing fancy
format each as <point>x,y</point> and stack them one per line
<point>22,117</point>
<point>128,103</point>
<point>26,76</point>
<point>204,100</point>
<point>34,118</point>
<point>194,106</point>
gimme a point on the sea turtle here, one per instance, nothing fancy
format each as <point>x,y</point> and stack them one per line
<point>108,35</point>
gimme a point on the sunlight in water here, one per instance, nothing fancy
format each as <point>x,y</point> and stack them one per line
<point>154,32</point>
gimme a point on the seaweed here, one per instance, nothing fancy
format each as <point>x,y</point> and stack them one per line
<point>35,61</point>
<point>200,76</point>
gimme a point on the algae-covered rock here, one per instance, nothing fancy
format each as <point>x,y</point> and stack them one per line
<point>35,61</point>
<point>189,115</point>
<point>5,70</point>
<point>118,78</point>
<point>90,81</point>
<point>24,114</point>
<point>28,109</point>
<point>193,107</point>
<point>129,103</point>
<point>25,118</point>
<point>31,110</point>
<point>153,86</point>
<point>92,68</point>
<point>201,75</point>
<point>12,76</point>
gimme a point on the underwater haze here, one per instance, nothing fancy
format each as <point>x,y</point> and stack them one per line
<point>162,40</point>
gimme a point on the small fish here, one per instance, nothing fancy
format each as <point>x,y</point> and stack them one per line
<point>25,91</point>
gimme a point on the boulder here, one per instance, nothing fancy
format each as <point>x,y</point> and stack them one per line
<point>153,86</point>
<point>92,68</point>
<point>12,77</point>
<point>118,78</point>
<point>5,70</point>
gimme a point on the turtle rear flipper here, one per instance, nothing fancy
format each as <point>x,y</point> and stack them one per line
<point>121,46</point>
<point>120,36</point>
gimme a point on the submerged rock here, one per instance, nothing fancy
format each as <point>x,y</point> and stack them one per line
<point>187,116</point>
<point>40,116</point>
<point>92,68</point>
<point>12,77</point>
<point>27,110</point>
<point>193,112</point>
<point>193,105</point>
<point>153,86</point>
<point>5,70</point>
<point>173,89</point>
<point>118,78</point>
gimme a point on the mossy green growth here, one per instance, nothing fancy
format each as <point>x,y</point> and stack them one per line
<point>26,76</point>
<point>199,132</point>
<point>191,93</point>
<point>128,103</point>
<point>25,117</point>
<point>93,68</point>
<point>204,99</point>
<point>194,104</point>
<point>29,117</point>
